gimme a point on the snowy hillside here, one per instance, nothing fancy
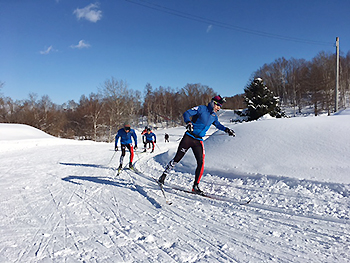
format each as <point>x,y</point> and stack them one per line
<point>61,201</point>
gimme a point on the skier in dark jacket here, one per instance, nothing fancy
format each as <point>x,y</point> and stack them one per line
<point>198,120</point>
<point>125,135</point>
<point>166,137</point>
<point>150,138</point>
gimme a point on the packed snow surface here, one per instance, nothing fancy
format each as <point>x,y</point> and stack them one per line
<point>61,200</point>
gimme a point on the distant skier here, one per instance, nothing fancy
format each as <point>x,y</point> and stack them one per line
<point>198,120</point>
<point>144,131</point>
<point>166,137</point>
<point>150,138</point>
<point>144,137</point>
<point>125,135</point>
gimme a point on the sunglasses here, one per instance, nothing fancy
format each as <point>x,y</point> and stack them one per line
<point>217,103</point>
<point>127,128</point>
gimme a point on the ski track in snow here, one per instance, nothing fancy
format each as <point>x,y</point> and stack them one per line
<point>64,203</point>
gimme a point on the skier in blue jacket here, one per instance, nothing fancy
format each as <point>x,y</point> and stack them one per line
<point>125,135</point>
<point>150,138</point>
<point>198,121</point>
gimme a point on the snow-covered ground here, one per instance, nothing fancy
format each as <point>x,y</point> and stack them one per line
<point>61,202</point>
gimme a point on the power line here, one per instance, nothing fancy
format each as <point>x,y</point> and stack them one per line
<point>192,17</point>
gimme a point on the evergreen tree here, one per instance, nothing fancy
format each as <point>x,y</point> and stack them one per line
<point>260,101</point>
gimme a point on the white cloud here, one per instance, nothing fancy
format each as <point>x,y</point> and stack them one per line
<point>209,28</point>
<point>47,51</point>
<point>81,45</point>
<point>90,13</point>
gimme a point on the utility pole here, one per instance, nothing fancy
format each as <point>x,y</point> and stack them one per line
<point>337,74</point>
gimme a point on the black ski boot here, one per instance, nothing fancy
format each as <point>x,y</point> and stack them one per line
<point>120,167</point>
<point>131,166</point>
<point>161,179</point>
<point>196,190</point>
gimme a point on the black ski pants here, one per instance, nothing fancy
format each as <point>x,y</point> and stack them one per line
<point>130,148</point>
<point>197,147</point>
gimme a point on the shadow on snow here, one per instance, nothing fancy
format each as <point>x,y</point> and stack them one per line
<point>87,165</point>
<point>102,180</point>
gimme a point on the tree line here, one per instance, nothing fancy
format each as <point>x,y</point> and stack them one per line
<point>98,115</point>
<point>298,83</point>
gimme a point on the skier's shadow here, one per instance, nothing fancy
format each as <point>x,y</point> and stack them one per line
<point>100,180</point>
<point>87,165</point>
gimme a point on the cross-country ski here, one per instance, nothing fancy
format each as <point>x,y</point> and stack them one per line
<point>212,196</point>
<point>161,187</point>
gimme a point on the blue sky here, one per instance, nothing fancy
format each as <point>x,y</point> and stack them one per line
<point>66,48</point>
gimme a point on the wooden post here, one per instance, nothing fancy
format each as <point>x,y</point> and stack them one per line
<point>337,74</point>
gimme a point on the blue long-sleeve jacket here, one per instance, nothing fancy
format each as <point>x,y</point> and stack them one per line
<point>149,137</point>
<point>202,118</point>
<point>125,137</point>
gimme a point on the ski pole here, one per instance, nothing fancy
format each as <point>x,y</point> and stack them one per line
<point>138,156</point>
<point>111,158</point>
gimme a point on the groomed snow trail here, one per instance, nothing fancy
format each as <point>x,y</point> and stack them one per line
<point>62,202</point>
<point>74,210</point>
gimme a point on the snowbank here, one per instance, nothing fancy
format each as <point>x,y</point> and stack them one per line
<point>313,148</point>
<point>9,132</point>
<point>14,137</point>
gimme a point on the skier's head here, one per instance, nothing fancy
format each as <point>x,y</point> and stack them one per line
<point>217,102</point>
<point>127,126</point>
<point>148,130</point>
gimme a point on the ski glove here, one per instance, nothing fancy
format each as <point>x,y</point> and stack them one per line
<point>189,127</point>
<point>116,148</point>
<point>230,132</point>
<point>135,147</point>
